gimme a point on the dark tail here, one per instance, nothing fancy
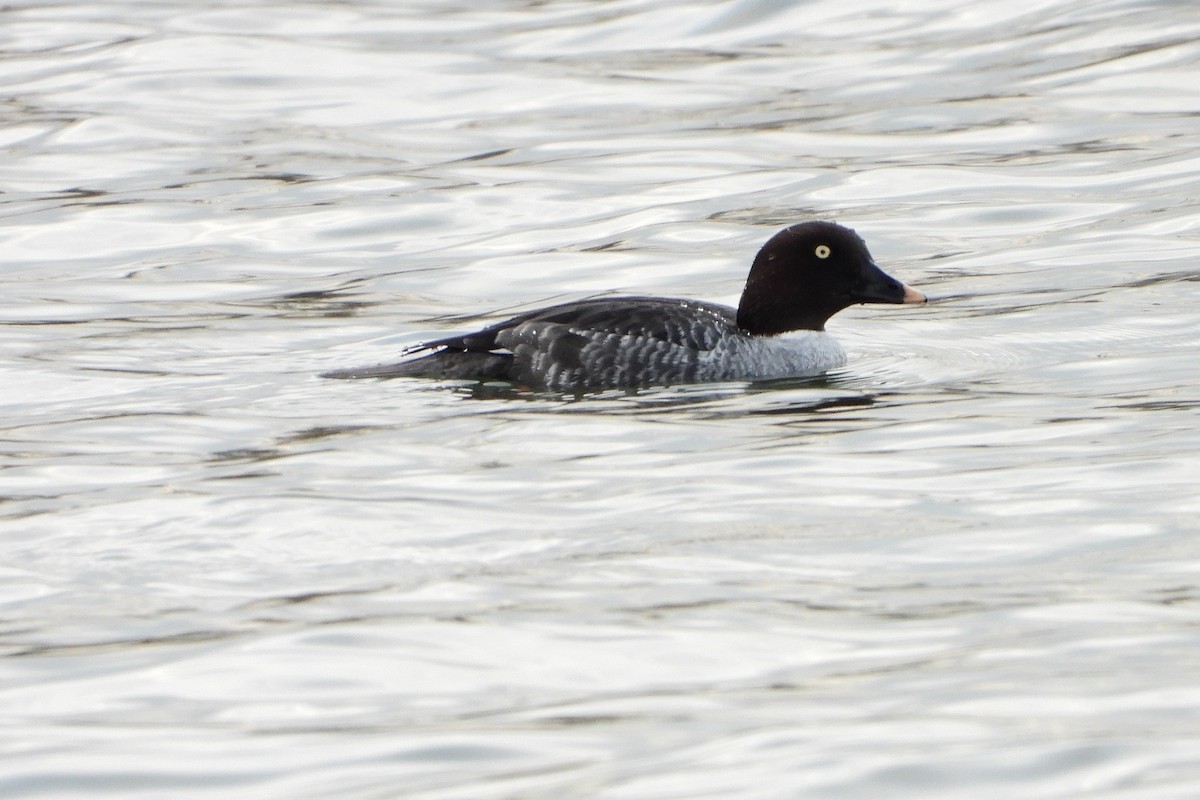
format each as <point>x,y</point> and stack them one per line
<point>446,363</point>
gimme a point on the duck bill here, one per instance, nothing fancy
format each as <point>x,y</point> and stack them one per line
<point>876,286</point>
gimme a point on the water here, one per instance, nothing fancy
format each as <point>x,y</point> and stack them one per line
<point>963,564</point>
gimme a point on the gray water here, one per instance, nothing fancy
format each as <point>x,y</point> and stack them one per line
<point>964,565</point>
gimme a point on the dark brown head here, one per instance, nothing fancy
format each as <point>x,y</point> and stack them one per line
<point>807,273</point>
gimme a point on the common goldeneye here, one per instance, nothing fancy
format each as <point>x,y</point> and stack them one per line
<point>801,277</point>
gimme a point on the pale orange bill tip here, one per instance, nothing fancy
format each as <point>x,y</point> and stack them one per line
<point>911,295</point>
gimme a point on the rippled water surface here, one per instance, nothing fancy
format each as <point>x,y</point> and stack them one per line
<point>963,565</point>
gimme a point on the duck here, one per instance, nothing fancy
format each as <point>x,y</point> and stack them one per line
<point>801,276</point>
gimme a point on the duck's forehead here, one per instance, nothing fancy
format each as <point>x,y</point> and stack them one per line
<point>828,233</point>
<point>839,235</point>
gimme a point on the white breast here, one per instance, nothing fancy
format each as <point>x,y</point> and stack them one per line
<point>790,355</point>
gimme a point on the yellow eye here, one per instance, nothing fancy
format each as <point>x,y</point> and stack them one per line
<point>822,251</point>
